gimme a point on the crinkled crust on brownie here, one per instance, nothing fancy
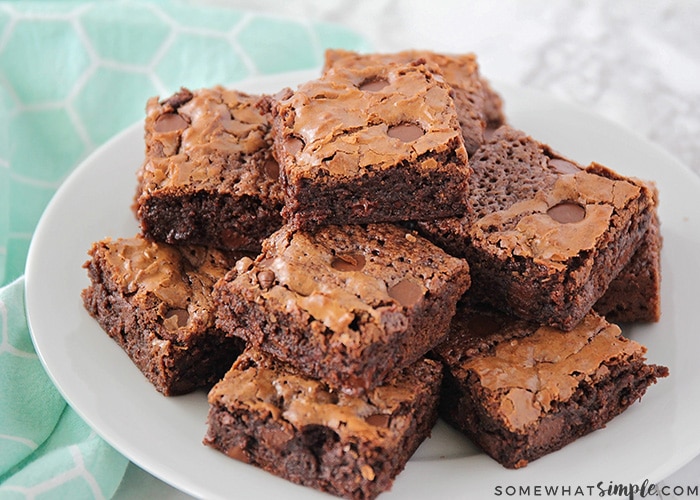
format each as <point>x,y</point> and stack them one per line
<point>209,176</point>
<point>267,414</point>
<point>479,107</point>
<point>154,300</point>
<point>521,391</point>
<point>376,144</point>
<point>345,304</point>
<point>545,237</point>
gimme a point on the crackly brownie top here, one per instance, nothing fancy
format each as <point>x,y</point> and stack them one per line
<point>458,70</point>
<point>175,280</point>
<point>531,202</point>
<point>357,121</point>
<point>212,138</point>
<point>344,274</point>
<point>266,386</point>
<point>528,369</point>
<point>478,105</point>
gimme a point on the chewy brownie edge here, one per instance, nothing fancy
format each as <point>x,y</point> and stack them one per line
<point>634,295</point>
<point>208,218</point>
<point>383,196</point>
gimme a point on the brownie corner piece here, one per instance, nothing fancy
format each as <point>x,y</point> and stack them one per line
<point>154,301</point>
<point>380,143</point>
<point>266,414</point>
<point>546,236</point>
<point>344,303</point>
<point>209,176</point>
<point>521,391</point>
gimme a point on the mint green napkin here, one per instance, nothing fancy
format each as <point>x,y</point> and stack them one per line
<point>45,449</point>
<point>72,75</point>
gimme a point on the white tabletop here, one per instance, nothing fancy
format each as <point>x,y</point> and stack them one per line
<point>634,62</point>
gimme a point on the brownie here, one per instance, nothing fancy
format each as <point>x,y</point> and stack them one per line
<point>154,300</point>
<point>209,176</point>
<point>493,108</point>
<point>545,237</point>
<point>267,414</point>
<point>346,304</point>
<point>521,391</point>
<point>375,144</point>
<point>479,107</point>
<point>635,294</point>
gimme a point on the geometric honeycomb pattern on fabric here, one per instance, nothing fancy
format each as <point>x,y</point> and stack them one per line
<point>46,450</point>
<point>72,75</point>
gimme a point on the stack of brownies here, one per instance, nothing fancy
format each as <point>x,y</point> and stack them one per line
<point>347,260</point>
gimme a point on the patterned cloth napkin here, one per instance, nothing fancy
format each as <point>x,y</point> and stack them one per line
<point>73,74</point>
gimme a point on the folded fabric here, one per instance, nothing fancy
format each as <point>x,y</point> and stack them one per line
<point>72,75</point>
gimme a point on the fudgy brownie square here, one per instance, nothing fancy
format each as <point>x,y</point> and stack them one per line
<point>545,237</point>
<point>209,176</point>
<point>521,391</point>
<point>479,107</point>
<point>345,304</point>
<point>154,300</point>
<point>375,144</point>
<point>267,414</point>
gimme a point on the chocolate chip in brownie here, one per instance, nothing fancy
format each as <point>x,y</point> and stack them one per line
<point>406,132</point>
<point>238,453</point>
<point>266,278</point>
<point>373,84</point>
<point>272,169</point>
<point>178,99</point>
<point>378,420</point>
<point>562,166</point>
<point>348,262</point>
<point>407,292</point>
<point>567,212</point>
<point>170,122</point>
<point>293,145</point>
<point>176,318</point>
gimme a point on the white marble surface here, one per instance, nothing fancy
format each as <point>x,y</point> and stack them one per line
<point>634,62</point>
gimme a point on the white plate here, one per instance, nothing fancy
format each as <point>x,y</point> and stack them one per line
<point>163,435</point>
